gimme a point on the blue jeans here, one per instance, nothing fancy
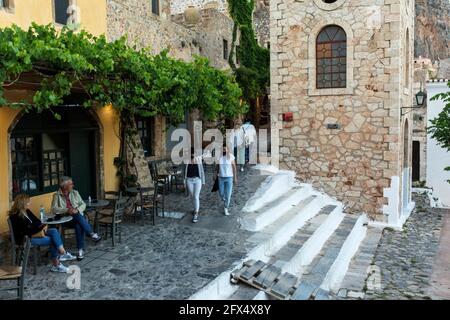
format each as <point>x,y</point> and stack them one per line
<point>82,227</point>
<point>226,189</point>
<point>52,239</point>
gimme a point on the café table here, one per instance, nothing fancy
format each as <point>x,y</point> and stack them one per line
<point>54,221</point>
<point>95,206</point>
<point>57,221</point>
<point>138,190</point>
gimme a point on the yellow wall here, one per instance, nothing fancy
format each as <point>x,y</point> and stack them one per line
<point>92,14</point>
<point>109,121</point>
<point>92,19</point>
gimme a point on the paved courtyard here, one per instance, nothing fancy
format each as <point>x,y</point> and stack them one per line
<point>171,260</point>
<point>414,263</point>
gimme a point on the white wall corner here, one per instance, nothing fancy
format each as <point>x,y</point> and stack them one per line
<point>391,210</point>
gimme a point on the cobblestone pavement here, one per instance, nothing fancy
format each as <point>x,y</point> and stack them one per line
<point>406,258</point>
<point>172,260</point>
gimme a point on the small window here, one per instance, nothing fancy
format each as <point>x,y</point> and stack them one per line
<point>61,8</point>
<point>25,164</point>
<point>331,58</point>
<point>7,4</point>
<point>145,128</point>
<point>237,55</point>
<point>155,7</point>
<point>225,49</point>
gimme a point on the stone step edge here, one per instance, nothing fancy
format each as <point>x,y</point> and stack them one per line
<point>220,288</point>
<point>338,269</point>
<point>311,248</point>
<point>258,221</point>
<point>314,245</point>
<point>272,188</point>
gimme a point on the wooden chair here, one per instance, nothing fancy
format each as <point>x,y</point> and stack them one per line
<point>15,248</point>
<point>160,188</point>
<point>162,180</point>
<point>149,204</point>
<point>112,197</point>
<point>16,272</point>
<point>113,224</point>
<point>177,178</point>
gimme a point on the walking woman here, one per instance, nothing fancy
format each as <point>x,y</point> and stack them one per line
<point>226,170</point>
<point>25,223</point>
<point>195,179</point>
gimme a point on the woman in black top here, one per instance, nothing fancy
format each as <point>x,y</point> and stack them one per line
<point>25,223</point>
<point>195,178</point>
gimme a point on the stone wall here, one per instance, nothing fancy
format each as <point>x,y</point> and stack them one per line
<point>423,70</point>
<point>178,6</point>
<point>135,20</point>
<point>261,22</point>
<point>212,28</point>
<point>356,162</point>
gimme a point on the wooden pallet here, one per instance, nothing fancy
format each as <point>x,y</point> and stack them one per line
<point>267,278</point>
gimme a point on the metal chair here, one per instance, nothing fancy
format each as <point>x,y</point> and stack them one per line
<point>162,180</point>
<point>17,271</point>
<point>177,177</point>
<point>16,248</point>
<point>112,197</point>
<point>113,224</point>
<point>160,188</point>
<point>149,204</point>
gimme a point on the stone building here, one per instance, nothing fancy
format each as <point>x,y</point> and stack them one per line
<point>341,72</point>
<point>203,30</point>
<point>423,71</point>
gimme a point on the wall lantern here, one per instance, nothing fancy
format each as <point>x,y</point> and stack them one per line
<point>420,98</point>
<point>420,102</point>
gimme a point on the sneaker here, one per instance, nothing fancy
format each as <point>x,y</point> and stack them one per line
<point>195,218</point>
<point>67,257</point>
<point>60,268</point>
<point>226,212</point>
<point>242,169</point>
<point>95,237</point>
<point>80,255</point>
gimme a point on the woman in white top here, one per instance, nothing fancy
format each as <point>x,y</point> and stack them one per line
<point>195,179</point>
<point>226,170</point>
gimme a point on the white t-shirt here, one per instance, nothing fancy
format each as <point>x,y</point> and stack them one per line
<point>225,166</point>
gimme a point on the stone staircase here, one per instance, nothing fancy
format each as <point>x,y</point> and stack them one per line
<point>300,232</point>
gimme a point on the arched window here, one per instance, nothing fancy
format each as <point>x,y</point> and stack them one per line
<point>407,60</point>
<point>331,58</point>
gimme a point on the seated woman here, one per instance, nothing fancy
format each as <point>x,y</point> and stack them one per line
<point>25,223</point>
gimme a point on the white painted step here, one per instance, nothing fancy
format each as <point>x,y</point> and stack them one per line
<point>314,275</point>
<point>284,257</point>
<point>267,242</point>
<point>273,187</point>
<point>360,265</point>
<point>258,220</point>
<point>337,272</point>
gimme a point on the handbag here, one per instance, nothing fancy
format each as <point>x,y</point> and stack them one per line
<point>40,234</point>
<point>216,185</point>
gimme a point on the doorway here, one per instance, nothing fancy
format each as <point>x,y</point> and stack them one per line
<point>416,161</point>
<point>43,149</point>
<point>406,177</point>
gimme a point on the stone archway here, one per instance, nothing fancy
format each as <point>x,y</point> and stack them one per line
<point>406,167</point>
<point>79,128</point>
